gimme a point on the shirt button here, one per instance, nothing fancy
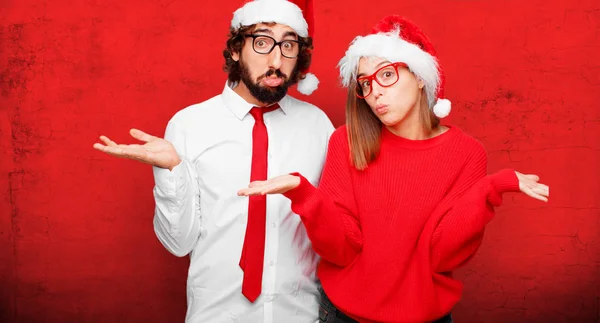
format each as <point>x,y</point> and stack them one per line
<point>274,224</point>
<point>270,298</point>
<point>271,263</point>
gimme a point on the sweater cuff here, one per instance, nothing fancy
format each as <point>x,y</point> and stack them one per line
<point>501,182</point>
<point>301,195</point>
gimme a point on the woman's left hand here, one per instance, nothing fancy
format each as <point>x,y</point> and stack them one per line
<point>529,185</point>
<point>276,185</point>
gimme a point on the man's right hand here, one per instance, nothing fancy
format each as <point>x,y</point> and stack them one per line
<point>156,151</point>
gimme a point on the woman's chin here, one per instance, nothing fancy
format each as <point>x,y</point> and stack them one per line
<point>389,120</point>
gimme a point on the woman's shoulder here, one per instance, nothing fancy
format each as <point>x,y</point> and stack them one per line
<point>340,134</point>
<point>339,139</point>
<point>467,144</point>
<point>341,130</point>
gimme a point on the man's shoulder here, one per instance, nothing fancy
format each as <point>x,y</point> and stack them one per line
<point>340,136</point>
<point>197,111</point>
<point>306,111</point>
<point>300,106</point>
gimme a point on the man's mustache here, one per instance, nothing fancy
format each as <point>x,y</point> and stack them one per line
<point>277,73</point>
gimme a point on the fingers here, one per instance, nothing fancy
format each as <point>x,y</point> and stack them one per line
<point>257,183</point>
<point>107,141</point>
<point>254,188</point>
<point>530,186</point>
<point>124,151</point>
<point>536,195</point>
<point>112,150</point>
<point>259,188</point>
<point>270,189</point>
<point>249,192</point>
<point>98,146</point>
<point>541,189</point>
<point>538,192</point>
<point>140,135</point>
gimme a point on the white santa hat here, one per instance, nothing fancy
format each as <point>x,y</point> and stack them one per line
<point>298,14</point>
<point>398,40</point>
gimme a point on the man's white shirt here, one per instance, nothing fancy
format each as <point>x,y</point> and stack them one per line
<point>198,210</point>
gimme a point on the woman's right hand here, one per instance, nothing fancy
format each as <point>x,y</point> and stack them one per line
<point>276,185</point>
<point>156,151</point>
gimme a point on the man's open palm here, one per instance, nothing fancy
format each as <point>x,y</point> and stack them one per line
<point>155,151</point>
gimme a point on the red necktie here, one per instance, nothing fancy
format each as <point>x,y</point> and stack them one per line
<point>253,252</point>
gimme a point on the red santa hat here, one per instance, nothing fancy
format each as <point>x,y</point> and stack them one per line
<point>298,14</point>
<point>396,39</point>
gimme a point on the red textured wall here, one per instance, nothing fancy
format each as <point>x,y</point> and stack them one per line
<point>76,237</point>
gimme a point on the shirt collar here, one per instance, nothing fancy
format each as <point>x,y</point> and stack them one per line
<point>239,107</point>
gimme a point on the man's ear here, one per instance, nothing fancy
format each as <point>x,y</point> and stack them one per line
<point>235,56</point>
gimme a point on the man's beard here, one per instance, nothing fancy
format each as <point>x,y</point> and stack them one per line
<point>265,94</point>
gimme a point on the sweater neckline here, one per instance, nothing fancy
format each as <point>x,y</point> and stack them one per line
<point>402,142</point>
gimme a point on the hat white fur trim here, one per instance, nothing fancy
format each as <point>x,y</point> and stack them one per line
<point>392,47</point>
<point>309,84</point>
<point>265,11</point>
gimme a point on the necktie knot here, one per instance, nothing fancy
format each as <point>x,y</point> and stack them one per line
<point>258,112</point>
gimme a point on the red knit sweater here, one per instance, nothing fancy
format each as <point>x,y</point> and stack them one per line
<point>390,236</point>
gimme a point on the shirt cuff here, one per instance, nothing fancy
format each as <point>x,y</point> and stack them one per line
<point>170,181</point>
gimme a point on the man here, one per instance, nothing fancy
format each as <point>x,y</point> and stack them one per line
<point>250,258</point>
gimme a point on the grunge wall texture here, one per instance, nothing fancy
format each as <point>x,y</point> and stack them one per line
<point>76,237</point>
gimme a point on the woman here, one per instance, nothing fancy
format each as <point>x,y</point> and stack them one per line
<point>403,200</point>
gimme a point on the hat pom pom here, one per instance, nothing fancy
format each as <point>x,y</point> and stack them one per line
<point>309,84</point>
<point>442,108</point>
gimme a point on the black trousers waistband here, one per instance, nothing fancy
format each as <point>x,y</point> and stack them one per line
<point>330,314</point>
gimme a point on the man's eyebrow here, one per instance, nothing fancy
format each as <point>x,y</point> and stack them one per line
<point>263,30</point>
<point>290,33</point>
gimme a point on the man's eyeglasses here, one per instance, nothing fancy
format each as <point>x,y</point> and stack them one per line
<point>385,76</point>
<point>264,45</point>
